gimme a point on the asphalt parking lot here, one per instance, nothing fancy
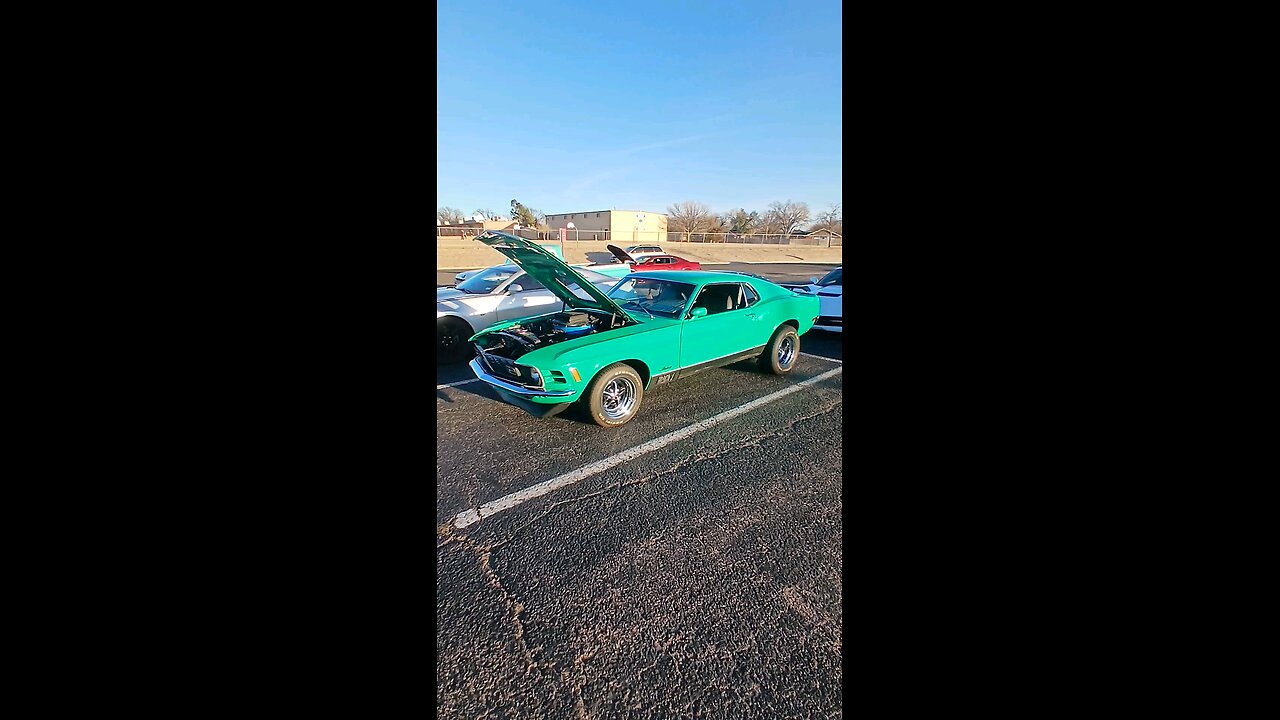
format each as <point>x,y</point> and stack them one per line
<point>694,575</point>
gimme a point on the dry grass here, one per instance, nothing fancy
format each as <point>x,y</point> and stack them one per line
<point>466,254</point>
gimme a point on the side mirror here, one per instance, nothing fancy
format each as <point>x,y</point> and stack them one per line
<point>697,313</point>
<point>813,280</point>
<point>515,289</point>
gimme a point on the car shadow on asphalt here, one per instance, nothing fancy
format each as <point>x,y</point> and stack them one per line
<point>577,414</point>
<point>573,413</point>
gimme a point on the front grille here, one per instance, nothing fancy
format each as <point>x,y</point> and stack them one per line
<point>830,320</point>
<point>508,370</point>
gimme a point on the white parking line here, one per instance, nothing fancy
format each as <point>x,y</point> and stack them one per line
<point>819,357</point>
<point>464,382</point>
<point>489,509</point>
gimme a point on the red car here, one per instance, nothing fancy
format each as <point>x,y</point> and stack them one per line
<point>664,262</point>
<point>657,261</point>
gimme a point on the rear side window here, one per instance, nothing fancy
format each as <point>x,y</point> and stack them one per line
<point>749,295</point>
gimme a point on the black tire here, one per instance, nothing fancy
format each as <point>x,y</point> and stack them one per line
<point>451,340</point>
<point>782,352</point>
<point>626,393</point>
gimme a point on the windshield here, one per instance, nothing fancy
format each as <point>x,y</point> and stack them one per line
<point>831,278</point>
<point>655,298</point>
<point>486,280</point>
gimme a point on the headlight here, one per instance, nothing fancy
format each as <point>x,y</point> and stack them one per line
<point>534,374</point>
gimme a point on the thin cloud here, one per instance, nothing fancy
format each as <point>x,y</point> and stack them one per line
<point>590,181</point>
<point>664,143</point>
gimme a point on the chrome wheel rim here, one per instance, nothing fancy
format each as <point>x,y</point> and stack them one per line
<point>618,398</point>
<point>786,351</point>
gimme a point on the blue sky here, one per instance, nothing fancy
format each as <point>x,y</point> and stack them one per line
<point>575,106</point>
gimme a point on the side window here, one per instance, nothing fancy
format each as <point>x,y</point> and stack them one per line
<point>529,282</point>
<point>719,298</point>
<point>749,296</point>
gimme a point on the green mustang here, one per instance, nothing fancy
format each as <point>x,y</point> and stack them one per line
<point>651,328</point>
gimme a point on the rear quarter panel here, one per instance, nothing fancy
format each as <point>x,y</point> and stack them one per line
<point>778,305</point>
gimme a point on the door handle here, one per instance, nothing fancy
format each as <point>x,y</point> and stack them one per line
<point>751,314</point>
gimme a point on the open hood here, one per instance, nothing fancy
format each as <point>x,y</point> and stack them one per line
<point>551,271</point>
<point>622,255</point>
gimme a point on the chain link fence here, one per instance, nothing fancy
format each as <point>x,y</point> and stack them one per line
<point>819,239</point>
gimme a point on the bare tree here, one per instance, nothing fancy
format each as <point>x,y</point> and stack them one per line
<point>487,214</point>
<point>541,217</point>
<point>451,216</point>
<point>830,219</point>
<point>689,216</point>
<point>770,223</point>
<point>785,217</point>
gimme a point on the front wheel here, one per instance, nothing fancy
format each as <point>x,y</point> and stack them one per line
<point>615,395</point>
<point>781,353</point>
<point>451,340</point>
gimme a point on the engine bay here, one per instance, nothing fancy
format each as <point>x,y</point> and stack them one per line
<point>534,333</point>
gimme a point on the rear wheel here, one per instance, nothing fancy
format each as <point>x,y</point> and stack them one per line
<point>451,340</point>
<point>615,395</point>
<point>781,353</point>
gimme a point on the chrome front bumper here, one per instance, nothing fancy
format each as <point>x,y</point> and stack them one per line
<point>512,387</point>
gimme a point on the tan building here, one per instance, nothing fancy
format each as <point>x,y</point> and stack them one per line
<point>620,227</point>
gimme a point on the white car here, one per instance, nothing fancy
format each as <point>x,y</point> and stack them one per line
<point>494,295</point>
<point>637,250</point>
<point>553,249</point>
<point>830,292</point>
<point>613,270</point>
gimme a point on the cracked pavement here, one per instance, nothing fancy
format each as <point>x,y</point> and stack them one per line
<point>700,580</point>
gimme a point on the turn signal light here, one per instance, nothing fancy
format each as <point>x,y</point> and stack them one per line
<point>578,378</point>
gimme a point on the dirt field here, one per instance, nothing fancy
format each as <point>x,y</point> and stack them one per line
<point>466,254</point>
